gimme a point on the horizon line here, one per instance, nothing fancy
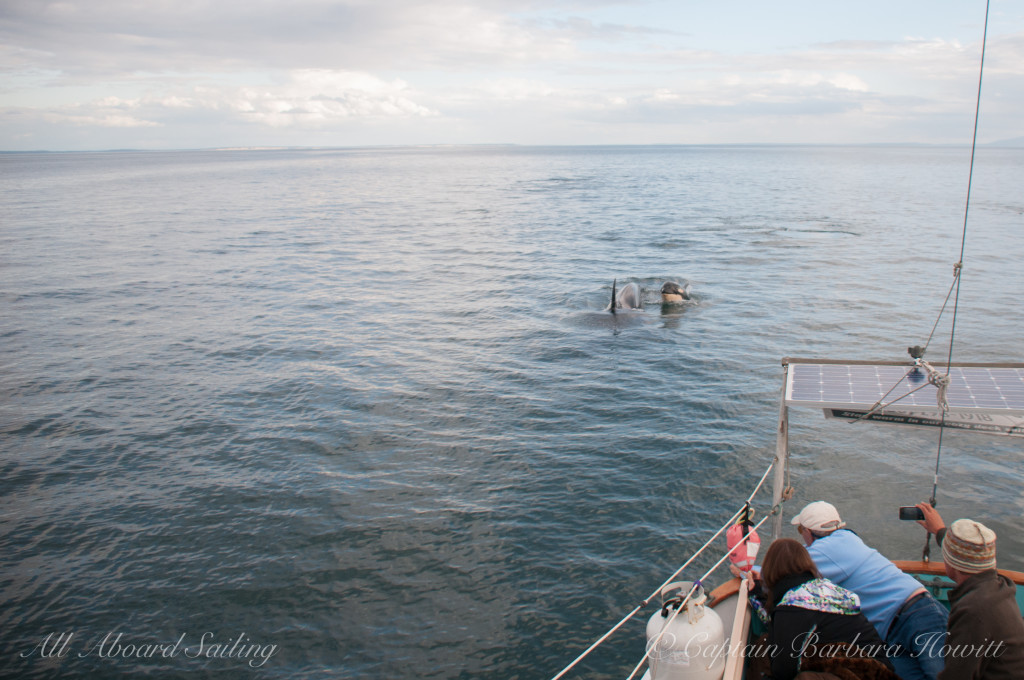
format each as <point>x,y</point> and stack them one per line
<point>1006,143</point>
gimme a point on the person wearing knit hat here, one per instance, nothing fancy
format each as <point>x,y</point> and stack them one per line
<point>986,631</point>
<point>969,547</point>
<point>905,615</point>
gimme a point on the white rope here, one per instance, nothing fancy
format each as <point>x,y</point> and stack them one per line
<point>671,578</point>
<point>761,483</point>
<point>940,381</point>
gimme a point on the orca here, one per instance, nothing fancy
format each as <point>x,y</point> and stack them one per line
<point>673,292</point>
<point>628,299</point>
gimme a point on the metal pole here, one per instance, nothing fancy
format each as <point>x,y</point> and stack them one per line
<point>781,454</point>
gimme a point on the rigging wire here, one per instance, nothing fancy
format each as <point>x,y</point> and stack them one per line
<point>937,380</point>
<point>963,244</point>
<point>949,293</point>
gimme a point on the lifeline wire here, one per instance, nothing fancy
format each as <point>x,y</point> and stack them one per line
<point>643,604</point>
<point>717,564</point>
<point>759,484</point>
<point>678,571</point>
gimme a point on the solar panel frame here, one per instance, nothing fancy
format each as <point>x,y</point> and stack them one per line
<point>978,388</point>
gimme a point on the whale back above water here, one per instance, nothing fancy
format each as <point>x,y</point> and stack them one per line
<point>628,299</point>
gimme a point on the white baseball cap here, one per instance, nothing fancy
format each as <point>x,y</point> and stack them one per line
<point>819,516</point>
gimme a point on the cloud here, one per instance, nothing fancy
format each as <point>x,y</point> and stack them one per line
<point>108,112</point>
<point>517,89</point>
<point>578,28</point>
<point>97,118</point>
<point>317,97</point>
<point>310,98</point>
<point>91,39</point>
<point>526,71</point>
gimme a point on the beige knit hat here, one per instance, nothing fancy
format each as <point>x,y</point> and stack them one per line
<point>969,546</point>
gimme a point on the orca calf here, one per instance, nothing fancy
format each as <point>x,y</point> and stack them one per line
<point>673,292</point>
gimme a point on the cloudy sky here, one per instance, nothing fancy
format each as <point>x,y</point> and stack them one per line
<point>156,74</point>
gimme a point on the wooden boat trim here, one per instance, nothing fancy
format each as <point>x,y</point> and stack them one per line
<point>732,586</point>
<point>725,591</point>
<point>939,569</point>
<point>738,636</point>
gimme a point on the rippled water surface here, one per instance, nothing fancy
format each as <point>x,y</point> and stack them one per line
<point>361,413</point>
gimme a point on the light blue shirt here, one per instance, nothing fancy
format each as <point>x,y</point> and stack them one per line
<point>844,559</point>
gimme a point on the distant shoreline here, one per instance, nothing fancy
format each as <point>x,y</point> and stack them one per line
<point>1017,143</point>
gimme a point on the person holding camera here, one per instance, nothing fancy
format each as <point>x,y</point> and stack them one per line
<point>986,631</point>
<point>905,615</point>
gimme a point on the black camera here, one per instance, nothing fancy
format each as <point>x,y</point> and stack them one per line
<point>911,512</point>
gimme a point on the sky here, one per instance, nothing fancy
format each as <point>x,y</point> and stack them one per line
<point>185,74</point>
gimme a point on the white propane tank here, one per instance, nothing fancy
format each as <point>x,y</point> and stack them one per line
<point>691,645</point>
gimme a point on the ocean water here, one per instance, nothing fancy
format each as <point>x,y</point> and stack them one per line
<point>360,413</point>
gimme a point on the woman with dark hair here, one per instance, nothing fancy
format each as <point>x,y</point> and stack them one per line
<point>816,625</point>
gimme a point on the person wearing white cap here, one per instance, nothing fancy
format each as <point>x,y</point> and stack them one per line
<point>985,625</point>
<point>899,607</point>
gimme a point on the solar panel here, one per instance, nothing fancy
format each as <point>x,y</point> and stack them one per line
<point>991,389</point>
